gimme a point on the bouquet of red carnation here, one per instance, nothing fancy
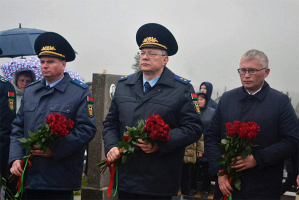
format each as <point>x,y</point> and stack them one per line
<point>238,142</point>
<point>154,129</point>
<point>56,126</point>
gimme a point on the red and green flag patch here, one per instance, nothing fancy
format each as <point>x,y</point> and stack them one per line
<point>11,94</point>
<point>89,99</point>
<point>194,96</point>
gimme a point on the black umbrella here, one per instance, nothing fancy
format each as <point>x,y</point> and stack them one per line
<point>18,42</point>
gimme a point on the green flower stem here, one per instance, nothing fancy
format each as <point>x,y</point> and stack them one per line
<point>103,169</point>
<point>9,194</point>
<point>11,178</point>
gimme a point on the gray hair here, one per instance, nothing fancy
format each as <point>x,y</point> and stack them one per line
<point>256,54</point>
<point>164,52</point>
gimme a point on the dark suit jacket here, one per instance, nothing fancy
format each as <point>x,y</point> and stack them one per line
<point>277,139</point>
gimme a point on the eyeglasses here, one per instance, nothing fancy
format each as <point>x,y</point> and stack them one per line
<point>149,54</point>
<point>250,71</point>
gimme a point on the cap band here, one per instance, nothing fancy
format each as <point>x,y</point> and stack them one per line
<point>50,52</point>
<point>154,44</point>
<point>151,41</point>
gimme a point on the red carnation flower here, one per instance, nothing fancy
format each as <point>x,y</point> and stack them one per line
<point>126,138</point>
<point>149,126</point>
<point>59,125</point>
<point>243,130</point>
<point>50,119</point>
<point>236,126</point>
<point>253,130</point>
<point>157,128</point>
<point>229,129</point>
<point>251,136</point>
<point>63,132</point>
<point>70,125</point>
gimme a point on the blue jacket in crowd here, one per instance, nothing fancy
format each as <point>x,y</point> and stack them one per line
<point>209,86</point>
<point>63,171</point>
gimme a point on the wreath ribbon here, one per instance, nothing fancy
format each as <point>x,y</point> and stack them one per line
<point>25,160</point>
<point>112,170</point>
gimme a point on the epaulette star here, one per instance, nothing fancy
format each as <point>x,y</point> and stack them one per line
<point>79,83</point>
<point>32,83</point>
<point>124,77</point>
<point>181,79</point>
<point>3,79</point>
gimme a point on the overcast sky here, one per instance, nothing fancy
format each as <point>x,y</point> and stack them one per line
<point>211,35</point>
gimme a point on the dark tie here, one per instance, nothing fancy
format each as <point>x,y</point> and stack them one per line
<point>48,87</point>
<point>147,86</point>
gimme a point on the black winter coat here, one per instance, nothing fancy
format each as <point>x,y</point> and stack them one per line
<point>7,115</point>
<point>277,139</point>
<point>156,173</point>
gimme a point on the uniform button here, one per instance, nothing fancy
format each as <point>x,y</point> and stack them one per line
<point>38,109</point>
<point>67,110</point>
<point>51,108</point>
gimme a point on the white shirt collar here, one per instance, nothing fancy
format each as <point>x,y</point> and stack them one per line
<point>255,92</point>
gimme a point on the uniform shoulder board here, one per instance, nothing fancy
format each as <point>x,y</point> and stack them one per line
<point>79,83</point>
<point>181,79</point>
<point>32,83</point>
<point>2,79</point>
<point>124,77</point>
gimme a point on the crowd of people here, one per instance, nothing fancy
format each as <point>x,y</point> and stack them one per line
<point>160,169</point>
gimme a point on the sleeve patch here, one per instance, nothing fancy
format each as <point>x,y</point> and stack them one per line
<point>90,99</point>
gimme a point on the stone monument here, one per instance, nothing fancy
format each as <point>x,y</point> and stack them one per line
<point>103,88</point>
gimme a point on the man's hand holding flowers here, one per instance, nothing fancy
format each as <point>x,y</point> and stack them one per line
<point>16,168</point>
<point>237,155</point>
<point>247,163</point>
<point>147,148</point>
<point>40,143</point>
<point>241,165</point>
<point>39,152</point>
<point>113,155</point>
<point>143,137</point>
<point>224,185</point>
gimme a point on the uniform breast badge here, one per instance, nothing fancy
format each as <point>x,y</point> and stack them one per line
<point>195,103</point>
<point>11,99</point>
<point>90,110</point>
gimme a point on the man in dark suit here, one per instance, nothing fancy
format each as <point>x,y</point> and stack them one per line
<point>277,140</point>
